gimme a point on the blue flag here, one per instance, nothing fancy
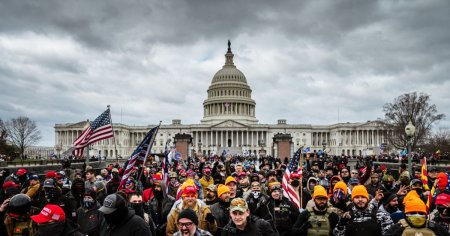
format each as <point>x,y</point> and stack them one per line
<point>306,150</point>
<point>404,152</point>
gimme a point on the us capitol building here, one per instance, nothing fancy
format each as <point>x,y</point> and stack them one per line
<point>229,123</point>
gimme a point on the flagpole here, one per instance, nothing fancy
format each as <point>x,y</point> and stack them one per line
<point>301,179</point>
<point>148,152</point>
<point>152,141</point>
<point>114,133</point>
<point>87,156</point>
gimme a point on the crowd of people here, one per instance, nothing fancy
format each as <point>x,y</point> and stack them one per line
<point>226,195</point>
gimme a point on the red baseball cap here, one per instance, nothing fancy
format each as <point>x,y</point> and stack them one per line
<point>50,174</point>
<point>295,176</point>
<point>189,189</point>
<point>8,184</point>
<point>442,199</point>
<point>48,213</point>
<point>21,171</point>
<point>156,177</point>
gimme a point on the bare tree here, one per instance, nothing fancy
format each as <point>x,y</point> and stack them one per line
<point>439,140</point>
<point>2,131</point>
<point>410,107</point>
<point>22,132</point>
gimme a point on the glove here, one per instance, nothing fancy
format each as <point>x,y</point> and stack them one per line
<point>210,218</point>
<point>343,221</point>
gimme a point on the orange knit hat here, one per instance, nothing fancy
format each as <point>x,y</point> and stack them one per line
<point>360,190</point>
<point>222,189</point>
<point>411,194</point>
<point>341,185</point>
<point>319,191</point>
<point>229,180</point>
<point>414,204</point>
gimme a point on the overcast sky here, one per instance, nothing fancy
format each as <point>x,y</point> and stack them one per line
<point>65,61</point>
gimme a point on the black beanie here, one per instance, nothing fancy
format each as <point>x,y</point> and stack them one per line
<point>188,213</point>
<point>388,197</point>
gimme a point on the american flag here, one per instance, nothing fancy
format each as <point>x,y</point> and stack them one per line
<point>288,190</point>
<point>165,164</point>
<point>139,155</point>
<point>98,130</point>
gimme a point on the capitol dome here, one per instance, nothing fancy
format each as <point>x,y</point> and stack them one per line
<point>229,95</point>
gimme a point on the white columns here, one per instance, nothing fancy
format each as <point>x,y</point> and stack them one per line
<point>226,139</point>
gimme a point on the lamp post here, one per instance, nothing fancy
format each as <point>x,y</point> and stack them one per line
<point>410,130</point>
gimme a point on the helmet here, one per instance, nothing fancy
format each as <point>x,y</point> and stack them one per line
<point>19,204</point>
<point>49,183</point>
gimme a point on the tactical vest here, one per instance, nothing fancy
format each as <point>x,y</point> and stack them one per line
<point>282,215</point>
<point>320,223</point>
<point>22,228</point>
<point>410,231</point>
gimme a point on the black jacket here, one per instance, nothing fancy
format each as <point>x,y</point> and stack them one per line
<point>131,225</point>
<point>254,227</point>
<point>281,215</point>
<point>221,214</point>
<point>90,221</point>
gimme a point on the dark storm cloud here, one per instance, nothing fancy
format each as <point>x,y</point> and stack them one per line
<point>63,62</point>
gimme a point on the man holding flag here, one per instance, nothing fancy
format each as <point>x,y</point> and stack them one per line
<point>139,156</point>
<point>292,180</point>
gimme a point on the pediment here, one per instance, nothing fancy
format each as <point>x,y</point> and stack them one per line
<point>371,124</point>
<point>229,124</point>
<point>78,124</point>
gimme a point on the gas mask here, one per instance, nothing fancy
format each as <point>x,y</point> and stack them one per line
<point>416,220</point>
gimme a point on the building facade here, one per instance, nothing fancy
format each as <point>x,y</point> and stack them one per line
<point>229,123</point>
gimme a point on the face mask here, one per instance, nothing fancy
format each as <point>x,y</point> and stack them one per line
<point>115,217</point>
<point>22,178</point>
<point>52,195</point>
<point>51,229</point>
<point>416,220</point>
<point>88,203</point>
<point>295,183</point>
<point>443,211</point>
<point>138,208</point>
<point>338,196</point>
<point>255,195</point>
<point>311,186</point>
<point>419,191</point>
